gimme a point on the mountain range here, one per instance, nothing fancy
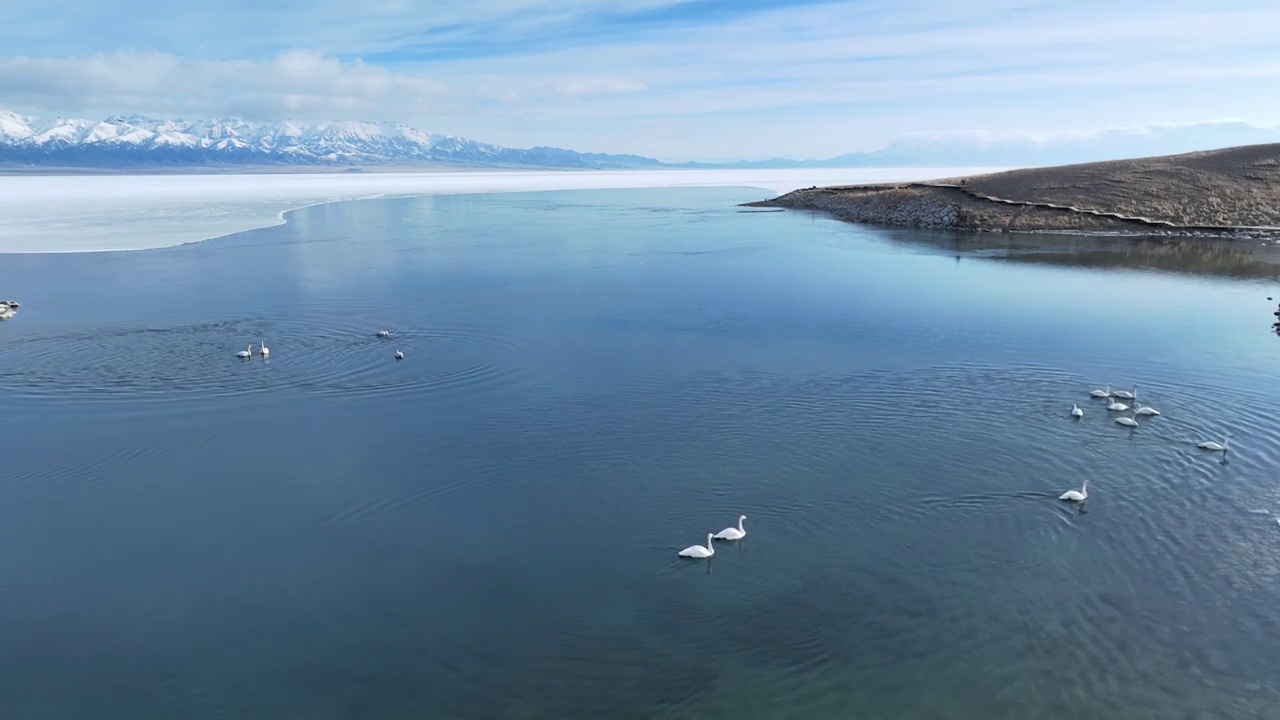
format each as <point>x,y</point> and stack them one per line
<point>135,141</point>
<point>139,142</point>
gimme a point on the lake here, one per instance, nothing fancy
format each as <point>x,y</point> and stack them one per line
<point>592,381</point>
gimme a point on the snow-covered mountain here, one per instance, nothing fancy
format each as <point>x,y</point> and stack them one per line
<point>138,141</point>
<point>135,141</point>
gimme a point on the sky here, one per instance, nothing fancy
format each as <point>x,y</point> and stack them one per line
<point>673,79</point>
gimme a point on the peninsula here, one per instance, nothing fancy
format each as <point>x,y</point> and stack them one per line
<point>1234,192</point>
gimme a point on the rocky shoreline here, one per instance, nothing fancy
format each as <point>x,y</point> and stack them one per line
<point>1233,193</point>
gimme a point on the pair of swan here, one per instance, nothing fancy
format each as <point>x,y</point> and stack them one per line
<point>1126,394</point>
<point>248,351</point>
<point>1138,408</point>
<point>384,333</point>
<point>1121,394</point>
<point>1083,493</point>
<point>706,551</point>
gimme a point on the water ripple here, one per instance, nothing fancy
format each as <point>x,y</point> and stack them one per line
<point>321,351</point>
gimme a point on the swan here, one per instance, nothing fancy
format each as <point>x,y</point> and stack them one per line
<point>1101,393</point>
<point>245,353</point>
<point>263,349</point>
<point>1127,421</point>
<point>1215,447</point>
<point>384,333</point>
<point>1076,495</point>
<point>732,533</point>
<point>1076,411</point>
<point>1127,394</point>
<point>399,355</point>
<point>1145,410</point>
<point>1117,406</point>
<point>699,551</point>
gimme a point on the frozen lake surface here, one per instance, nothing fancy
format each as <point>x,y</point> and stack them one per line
<point>89,213</point>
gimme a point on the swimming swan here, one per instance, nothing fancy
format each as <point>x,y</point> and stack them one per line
<point>731,533</point>
<point>699,551</point>
<point>1102,393</point>
<point>1127,421</point>
<point>1117,406</point>
<point>399,355</point>
<point>1076,495</point>
<point>1076,411</point>
<point>1215,447</point>
<point>1145,410</point>
<point>384,333</point>
<point>1127,394</point>
<point>263,350</point>
<point>245,353</point>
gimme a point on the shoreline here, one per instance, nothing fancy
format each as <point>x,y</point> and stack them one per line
<point>1220,194</point>
<point>54,214</point>
<point>938,206</point>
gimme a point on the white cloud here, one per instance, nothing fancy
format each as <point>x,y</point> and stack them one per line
<point>578,86</point>
<point>296,83</point>
<point>807,80</point>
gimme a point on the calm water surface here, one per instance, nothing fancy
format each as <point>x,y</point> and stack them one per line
<point>593,381</point>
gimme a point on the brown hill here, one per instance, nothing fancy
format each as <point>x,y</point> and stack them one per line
<point>1219,192</point>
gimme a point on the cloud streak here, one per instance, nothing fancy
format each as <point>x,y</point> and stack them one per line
<point>662,77</point>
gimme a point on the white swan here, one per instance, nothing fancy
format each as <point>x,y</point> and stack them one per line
<point>263,350</point>
<point>1101,393</point>
<point>1076,411</point>
<point>1145,410</point>
<point>384,333</point>
<point>1127,421</point>
<point>1215,447</point>
<point>1117,406</point>
<point>245,353</point>
<point>699,551</point>
<point>1076,495</point>
<point>399,355</point>
<point>1127,394</point>
<point>731,533</point>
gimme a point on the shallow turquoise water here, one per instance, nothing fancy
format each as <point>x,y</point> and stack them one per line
<point>594,380</point>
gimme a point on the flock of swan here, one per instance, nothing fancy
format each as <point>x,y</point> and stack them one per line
<point>1076,496</point>
<point>737,533</point>
<point>265,351</point>
<point>706,551</point>
<point>1115,396</point>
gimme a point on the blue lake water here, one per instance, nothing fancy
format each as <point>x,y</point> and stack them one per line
<point>594,380</point>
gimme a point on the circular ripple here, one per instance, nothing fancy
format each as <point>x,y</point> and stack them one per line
<point>320,349</point>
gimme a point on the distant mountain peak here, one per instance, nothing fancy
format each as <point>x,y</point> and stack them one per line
<point>140,140</point>
<point>125,141</point>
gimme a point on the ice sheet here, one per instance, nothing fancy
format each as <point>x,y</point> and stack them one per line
<point>80,213</point>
